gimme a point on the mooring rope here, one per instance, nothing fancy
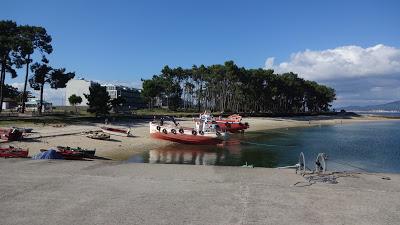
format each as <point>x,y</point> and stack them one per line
<point>259,144</point>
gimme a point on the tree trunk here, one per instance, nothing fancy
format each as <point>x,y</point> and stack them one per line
<point>24,95</point>
<point>41,99</point>
<point>2,78</point>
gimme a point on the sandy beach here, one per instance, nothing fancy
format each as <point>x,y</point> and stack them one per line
<point>121,148</point>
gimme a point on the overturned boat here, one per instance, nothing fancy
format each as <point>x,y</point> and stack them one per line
<point>204,132</point>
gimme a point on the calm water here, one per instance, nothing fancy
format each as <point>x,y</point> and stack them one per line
<point>372,147</point>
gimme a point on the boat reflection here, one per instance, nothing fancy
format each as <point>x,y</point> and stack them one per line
<point>232,153</point>
<point>195,155</point>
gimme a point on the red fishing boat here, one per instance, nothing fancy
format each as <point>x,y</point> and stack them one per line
<point>10,134</point>
<point>232,124</point>
<point>204,133</point>
<point>12,152</point>
<point>117,131</point>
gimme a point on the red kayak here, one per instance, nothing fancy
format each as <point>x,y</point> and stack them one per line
<point>10,134</point>
<point>12,152</point>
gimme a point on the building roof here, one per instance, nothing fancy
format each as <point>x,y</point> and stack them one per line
<point>37,101</point>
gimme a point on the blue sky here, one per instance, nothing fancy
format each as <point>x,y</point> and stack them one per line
<point>125,41</point>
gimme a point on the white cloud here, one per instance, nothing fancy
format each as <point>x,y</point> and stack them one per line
<point>55,96</point>
<point>341,62</point>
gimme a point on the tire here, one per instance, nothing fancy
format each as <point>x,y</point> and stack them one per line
<point>194,132</point>
<point>158,128</point>
<point>201,132</point>
<point>165,131</point>
<point>228,125</point>
<point>173,131</point>
<point>218,133</point>
<point>181,131</point>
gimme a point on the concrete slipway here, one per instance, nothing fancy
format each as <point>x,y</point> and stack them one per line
<point>109,192</point>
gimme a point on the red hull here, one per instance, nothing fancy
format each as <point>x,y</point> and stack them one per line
<point>13,153</point>
<point>187,139</point>
<point>121,132</point>
<point>232,126</point>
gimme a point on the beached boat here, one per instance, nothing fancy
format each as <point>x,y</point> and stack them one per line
<point>232,124</point>
<point>117,131</point>
<point>71,155</point>
<point>12,152</point>
<point>23,129</point>
<point>99,135</point>
<point>86,153</point>
<point>204,133</point>
<point>10,134</point>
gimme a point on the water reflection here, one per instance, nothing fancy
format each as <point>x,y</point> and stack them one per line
<point>229,155</point>
<point>195,156</point>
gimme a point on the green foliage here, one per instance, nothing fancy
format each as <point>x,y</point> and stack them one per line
<point>229,88</point>
<point>75,100</point>
<point>17,44</point>
<point>116,103</point>
<point>43,73</point>
<point>11,92</point>
<point>98,100</point>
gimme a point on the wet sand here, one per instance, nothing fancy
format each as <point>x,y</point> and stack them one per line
<point>121,148</point>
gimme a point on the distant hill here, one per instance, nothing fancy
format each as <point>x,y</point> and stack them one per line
<point>391,106</point>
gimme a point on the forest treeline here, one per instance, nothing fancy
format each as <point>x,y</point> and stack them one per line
<point>229,88</point>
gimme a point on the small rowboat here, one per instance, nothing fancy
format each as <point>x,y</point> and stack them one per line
<point>12,152</point>
<point>98,136</point>
<point>86,153</point>
<point>232,124</point>
<point>23,129</point>
<point>117,131</point>
<point>67,154</point>
<point>10,134</point>
<point>72,155</point>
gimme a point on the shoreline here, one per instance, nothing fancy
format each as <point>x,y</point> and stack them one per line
<point>121,148</point>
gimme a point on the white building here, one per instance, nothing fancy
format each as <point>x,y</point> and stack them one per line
<point>79,87</point>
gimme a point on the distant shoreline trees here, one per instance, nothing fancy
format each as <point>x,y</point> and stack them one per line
<point>229,88</point>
